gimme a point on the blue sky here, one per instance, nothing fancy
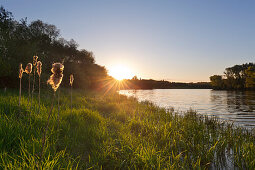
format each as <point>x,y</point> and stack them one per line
<point>178,40</point>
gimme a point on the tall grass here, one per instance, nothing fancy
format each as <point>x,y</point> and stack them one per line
<point>114,132</point>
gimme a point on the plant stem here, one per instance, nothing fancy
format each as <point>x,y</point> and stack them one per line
<point>58,107</point>
<point>19,91</point>
<point>47,126</point>
<point>28,88</point>
<point>32,92</point>
<point>39,94</point>
<point>71,100</point>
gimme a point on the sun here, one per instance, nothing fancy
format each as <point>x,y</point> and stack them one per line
<point>120,72</point>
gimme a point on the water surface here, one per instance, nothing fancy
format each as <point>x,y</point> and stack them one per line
<point>235,106</point>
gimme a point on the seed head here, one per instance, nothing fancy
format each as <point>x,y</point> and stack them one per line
<point>55,81</point>
<point>20,71</point>
<point>71,79</point>
<point>35,60</point>
<point>28,68</point>
<point>39,68</point>
<point>56,78</point>
<point>57,68</point>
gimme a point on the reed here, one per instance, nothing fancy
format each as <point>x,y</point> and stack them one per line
<point>28,70</point>
<point>33,89</point>
<point>39,72</point>
<point>20,77</point>
<point>71,84</point>
<point>55,81</point>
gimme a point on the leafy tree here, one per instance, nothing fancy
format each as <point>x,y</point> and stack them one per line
<point>217,82</point>
<point>250,79</point>
<point>236,77</point>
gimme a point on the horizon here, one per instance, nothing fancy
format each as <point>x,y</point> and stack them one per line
<point>172,41</point>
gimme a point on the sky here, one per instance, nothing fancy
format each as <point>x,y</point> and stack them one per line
<point>174,40</point>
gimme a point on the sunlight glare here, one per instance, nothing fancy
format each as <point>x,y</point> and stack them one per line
<point>120,72</point>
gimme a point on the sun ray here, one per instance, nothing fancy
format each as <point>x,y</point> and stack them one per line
<point>120,72</point>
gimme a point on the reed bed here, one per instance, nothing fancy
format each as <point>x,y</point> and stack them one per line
<point>114,132</point>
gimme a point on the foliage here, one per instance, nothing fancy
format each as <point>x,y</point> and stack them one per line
<point>136,83</point>
<point>250,79</point>
<point>237,77</point>
<point>216,81</point>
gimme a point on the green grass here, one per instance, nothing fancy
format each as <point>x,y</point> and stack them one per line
<point>114,132</point>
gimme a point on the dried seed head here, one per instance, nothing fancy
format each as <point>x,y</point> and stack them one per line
<point>71,79</point>
<point>35,60</point>
<point>57,68</point>
<point>55,81</point>
<point>28,68</point>
<point>20,71</point>
<point>56,78</point>
<point>39,68</point>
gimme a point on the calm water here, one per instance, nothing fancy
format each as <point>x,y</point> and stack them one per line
<point>238,107</point>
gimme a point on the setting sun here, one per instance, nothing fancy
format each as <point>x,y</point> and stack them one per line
<point>120,72</point>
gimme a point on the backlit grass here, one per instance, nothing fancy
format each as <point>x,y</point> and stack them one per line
<point>111,131</point>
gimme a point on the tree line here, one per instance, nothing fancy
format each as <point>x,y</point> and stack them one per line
<point>20,41</point>
<point>238,77</point>
<point>136,83</point>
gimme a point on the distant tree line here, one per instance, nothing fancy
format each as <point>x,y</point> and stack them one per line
<point>238,77</point>
<point>136,83</point>
<point>20,41</point>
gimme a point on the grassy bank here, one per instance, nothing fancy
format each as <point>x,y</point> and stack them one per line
<point>111,131</point>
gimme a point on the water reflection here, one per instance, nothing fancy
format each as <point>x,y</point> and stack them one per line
<point>235,106</point>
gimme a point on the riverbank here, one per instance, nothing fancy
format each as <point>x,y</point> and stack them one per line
<point>112,131</point>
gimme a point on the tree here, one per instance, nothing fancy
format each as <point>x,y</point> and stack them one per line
<point>135,78</point>
<point>217,82</point>
<point>250,79</point>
